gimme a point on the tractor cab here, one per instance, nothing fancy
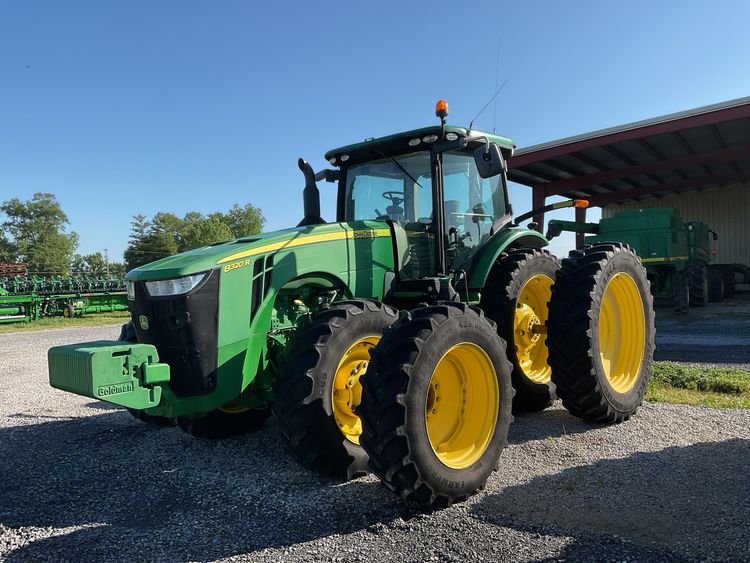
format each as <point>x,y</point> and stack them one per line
<point>442,190</point>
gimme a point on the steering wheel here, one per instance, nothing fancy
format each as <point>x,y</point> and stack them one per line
<point>396,198</point>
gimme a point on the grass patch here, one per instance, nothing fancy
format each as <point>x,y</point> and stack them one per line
<point>699,385</point>
<point>97,319</point>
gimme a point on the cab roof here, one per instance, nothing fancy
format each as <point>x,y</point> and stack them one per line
<point>398,143</point>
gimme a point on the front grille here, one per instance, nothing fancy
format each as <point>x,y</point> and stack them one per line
<point>184,329</point>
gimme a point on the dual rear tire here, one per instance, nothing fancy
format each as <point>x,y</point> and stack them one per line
<point>583,330</point>
<point>425,399</point>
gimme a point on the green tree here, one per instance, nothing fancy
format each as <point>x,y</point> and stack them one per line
<point>37,234</point>
<point>8,250</point>
<point>204,232</point>
<point>136,253</point>
<point>78,266</point>
<point>193,216</point>
<point>93,264</point>
<point>168,223</point>
<point>166,234</point>
<point>243,221</point>
<point>139,226</point>
<point>117,269</point>
<point>152,245</point>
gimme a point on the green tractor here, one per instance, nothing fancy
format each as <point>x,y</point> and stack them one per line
<point>676,253</point>
<point>397,338</point>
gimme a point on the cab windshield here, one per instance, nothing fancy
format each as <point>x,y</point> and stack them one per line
<point>400,189</point>
<point>397,188</point>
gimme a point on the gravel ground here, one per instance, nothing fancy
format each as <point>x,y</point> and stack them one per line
<point>82,481</point>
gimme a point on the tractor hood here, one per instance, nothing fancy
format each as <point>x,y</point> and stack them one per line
<point>226,253</point>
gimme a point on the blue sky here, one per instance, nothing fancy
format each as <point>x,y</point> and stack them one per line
<point>144,106</point>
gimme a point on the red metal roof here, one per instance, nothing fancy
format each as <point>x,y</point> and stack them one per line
<point>693,150</point>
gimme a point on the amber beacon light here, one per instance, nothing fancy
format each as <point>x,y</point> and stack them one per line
<point>441,109</point>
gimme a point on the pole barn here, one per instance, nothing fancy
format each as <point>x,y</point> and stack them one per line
<point>697,161</point>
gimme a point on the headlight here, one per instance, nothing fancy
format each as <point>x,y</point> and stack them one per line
<point>176,286</point>
<point>130,287</point>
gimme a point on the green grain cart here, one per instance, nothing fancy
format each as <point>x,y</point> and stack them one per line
<point>392,339</point>
<point>676,253</point>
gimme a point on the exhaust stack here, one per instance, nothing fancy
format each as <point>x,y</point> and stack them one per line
<point>310,197</point>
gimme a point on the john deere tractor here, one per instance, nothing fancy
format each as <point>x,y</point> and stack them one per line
<point>397,338</point>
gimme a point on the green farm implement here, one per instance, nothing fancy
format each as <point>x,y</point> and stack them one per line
<point>396,338</point>
<point>676,254</point>
<point>28,298</point>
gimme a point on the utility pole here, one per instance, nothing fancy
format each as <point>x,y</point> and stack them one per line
<point>106,262</point>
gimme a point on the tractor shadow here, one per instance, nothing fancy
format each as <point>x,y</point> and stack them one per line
<point>678,503</point>
<point>109,488</point>
<point>103,405</point>
<point>549,423</point>
<point>114,489</point>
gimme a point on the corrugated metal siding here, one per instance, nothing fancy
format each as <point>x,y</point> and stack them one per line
<point>727,211</point>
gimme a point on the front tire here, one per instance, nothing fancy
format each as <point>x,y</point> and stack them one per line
<point>437,404</point>
<point>601,332</point>
<point>319,386</point>
<point>516,298</point>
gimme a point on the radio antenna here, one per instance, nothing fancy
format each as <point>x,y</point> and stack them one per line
<point>488,103</point>
<point>497,72</point>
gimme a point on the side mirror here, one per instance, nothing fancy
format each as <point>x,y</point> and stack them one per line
<point>489,160</point>
<point>553,230</point>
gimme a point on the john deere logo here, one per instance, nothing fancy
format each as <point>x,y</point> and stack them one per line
<point>364,234</point>
<point>143,321</point>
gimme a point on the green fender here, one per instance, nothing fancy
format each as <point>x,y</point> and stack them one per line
<point>502,241</point>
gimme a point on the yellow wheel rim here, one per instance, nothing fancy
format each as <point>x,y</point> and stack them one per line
<point>622,332</point>
<point>462,405</point>
<point>233,407</point>
<point>529,329</point>
<point>347,390</point>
